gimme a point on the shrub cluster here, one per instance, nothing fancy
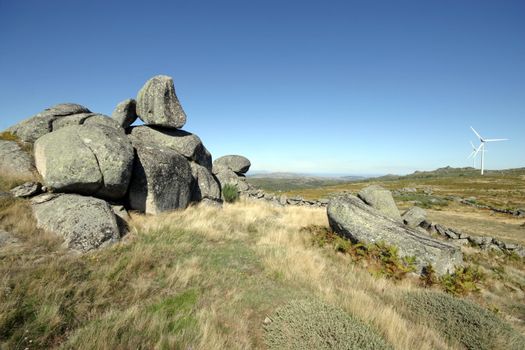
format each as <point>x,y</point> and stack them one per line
<point>380,258</point>
<point>311,324</point>
<point>461,321</point>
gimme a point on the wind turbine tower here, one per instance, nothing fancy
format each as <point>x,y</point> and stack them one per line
<point>482,148</point>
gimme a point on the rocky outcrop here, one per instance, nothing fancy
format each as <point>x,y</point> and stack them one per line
<point>414,216</point>
<point>157,103</point>
<point>230,170</point>
<point>125,113</point>
<point>85,119</point>
<point>380,199</point>
<point>14,160</point>
<point>185,143</point>
<point>352,218</point>
<point>161,179</point>
<point>85,223</point>
<point>32,128</point>
<point>86,159</point>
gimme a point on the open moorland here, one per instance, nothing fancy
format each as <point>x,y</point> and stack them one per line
<point>452,196</point>
<point>248,275</point>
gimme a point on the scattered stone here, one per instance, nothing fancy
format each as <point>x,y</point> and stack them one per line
<point>86,159</point>
<point>205,185</point>
<point>451,234</point>
<point>441,230</point>
<point>157,103</point>
<point>462,241</point>
<point>267,321</point>
<point>125,113</point>
<point>14,160</point>
<point>161,179</point>
<point>28,189</point>
<point>380,199</point>
<point>85,223</point>
<point>32,128</point>
<point>353,219</point>
<point>414,216</point>
<point>283,200</point>
<point>235,163</point>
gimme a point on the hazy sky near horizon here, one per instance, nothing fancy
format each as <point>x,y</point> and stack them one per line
<point>354,87</point>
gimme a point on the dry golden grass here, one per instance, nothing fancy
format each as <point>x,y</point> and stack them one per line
<point>202,278</point>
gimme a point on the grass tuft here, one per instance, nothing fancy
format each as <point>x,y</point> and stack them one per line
<point>230,193</point>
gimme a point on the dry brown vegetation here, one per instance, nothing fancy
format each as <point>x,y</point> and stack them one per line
<point>206,278</point>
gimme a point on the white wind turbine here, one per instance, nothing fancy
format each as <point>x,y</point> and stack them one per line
<point>482,147</point>
<point>473,155</point>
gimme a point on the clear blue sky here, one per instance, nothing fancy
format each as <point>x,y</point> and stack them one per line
<point>307,86</point>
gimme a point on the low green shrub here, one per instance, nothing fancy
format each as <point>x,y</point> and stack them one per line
<point>311,324</point>
<point>230,193</point>
<point>463,280</point>
<point>380,258</point>
<point>461,321</point>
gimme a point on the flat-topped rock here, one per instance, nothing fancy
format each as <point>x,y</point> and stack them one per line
<point>89,159</point>
<point>237,164</point>
<point>185,143</point>
<point>157,103</point>
<point>350,217</point>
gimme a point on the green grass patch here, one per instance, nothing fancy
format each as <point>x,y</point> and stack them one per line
<point>230,193</point>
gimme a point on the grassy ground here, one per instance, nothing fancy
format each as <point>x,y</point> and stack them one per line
<point>207,278</point>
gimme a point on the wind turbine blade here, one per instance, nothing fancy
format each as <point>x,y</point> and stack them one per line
<point>492,140</point>
<point>471,154</point>
<point>477,151</point>
<point>475,132</point>
<point>474,147</point>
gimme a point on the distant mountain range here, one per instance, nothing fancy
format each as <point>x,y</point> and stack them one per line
<point>290,175</point>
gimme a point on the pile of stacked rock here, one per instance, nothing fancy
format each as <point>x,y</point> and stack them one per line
<point>94,166</point>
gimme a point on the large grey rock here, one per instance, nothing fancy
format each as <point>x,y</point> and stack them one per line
<point>157,103</point>
<point>353,219</point>
<point>27,189</point>
<point>14,160</point>
<point>380,199</point>
<point>205,185</point>
<point>84,119</point>
<point>414,216</point>
<point>89,159</point>
<point>183,142</point>
<point>235,163</point>
<point>85,223</point>
<point>226,176</point>
<point>161,179</point>
<point>125,113</point>
<point>32,128</point>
